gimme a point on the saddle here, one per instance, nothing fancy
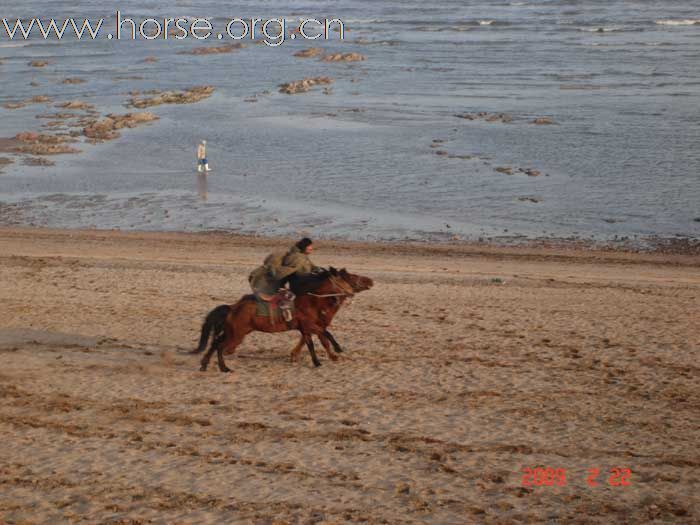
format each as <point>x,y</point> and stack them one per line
<point>271,305</point>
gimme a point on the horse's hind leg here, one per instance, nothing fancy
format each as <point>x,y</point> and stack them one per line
<point>228,347</point>
<point>327,346</point>
<point>312,350</point>
<point>216,343</point>
<point>335,344</point>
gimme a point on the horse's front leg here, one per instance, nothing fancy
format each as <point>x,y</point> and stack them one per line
<point>312,350</point>
<point>335,344</point>
<point>327,346</point>
<point>296,351</point>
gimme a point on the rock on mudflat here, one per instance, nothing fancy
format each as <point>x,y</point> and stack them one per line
<point>106,128</point>
<point>187,96</point>
<point>57,116</point>
<point>309,53</point>
<point>42,144</point>
<point>5,161</point>
<point>343,57</point>
<point>38,99</point>
<point>304,85</point>
<point>75,104</point>
<point>38,161</point>
<point>213,50</point>
<point>488,117</point>
<point>509,171</point>
<point>504,169</point>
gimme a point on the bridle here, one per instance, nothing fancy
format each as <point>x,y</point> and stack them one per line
<point>344,292</point>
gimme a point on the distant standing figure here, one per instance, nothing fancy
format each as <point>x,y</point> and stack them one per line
<point>202,163</point>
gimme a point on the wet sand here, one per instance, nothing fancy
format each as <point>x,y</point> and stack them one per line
<point>463,365</point>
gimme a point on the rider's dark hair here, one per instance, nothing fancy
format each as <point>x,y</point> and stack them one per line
<point>302,244</point>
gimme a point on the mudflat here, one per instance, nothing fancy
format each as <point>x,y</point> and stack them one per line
<point>463,367</point>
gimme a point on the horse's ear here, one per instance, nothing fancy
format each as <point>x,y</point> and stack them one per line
<point>332,270</point>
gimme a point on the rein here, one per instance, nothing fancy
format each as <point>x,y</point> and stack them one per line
<point>337,285</point>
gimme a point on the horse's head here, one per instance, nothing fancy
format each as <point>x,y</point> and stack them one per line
<point>358,283</point>
<point>330,278</point>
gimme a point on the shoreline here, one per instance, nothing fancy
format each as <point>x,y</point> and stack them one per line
<point>536,249</point>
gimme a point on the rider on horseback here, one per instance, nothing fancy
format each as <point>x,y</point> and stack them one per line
<point>268,279</point>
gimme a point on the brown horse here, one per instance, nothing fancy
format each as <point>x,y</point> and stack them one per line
<point>318,298</point>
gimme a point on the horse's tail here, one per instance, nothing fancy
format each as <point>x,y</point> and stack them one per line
<point>213,322</point>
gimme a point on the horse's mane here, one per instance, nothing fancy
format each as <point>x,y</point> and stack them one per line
<point>301,284</point>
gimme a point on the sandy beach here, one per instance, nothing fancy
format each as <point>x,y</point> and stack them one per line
<point>462,366</point>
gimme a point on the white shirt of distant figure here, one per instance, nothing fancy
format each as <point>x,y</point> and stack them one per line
<point>202,162</point>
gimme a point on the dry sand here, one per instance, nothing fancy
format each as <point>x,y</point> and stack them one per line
<point>451,383</point>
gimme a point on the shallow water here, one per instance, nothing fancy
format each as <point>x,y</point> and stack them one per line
<point>620,79</point>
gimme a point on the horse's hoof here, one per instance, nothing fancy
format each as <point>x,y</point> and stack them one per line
<point>317,364</point>
<point>226,370</point>
<point>338,350</point>
<point>202,368</point>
